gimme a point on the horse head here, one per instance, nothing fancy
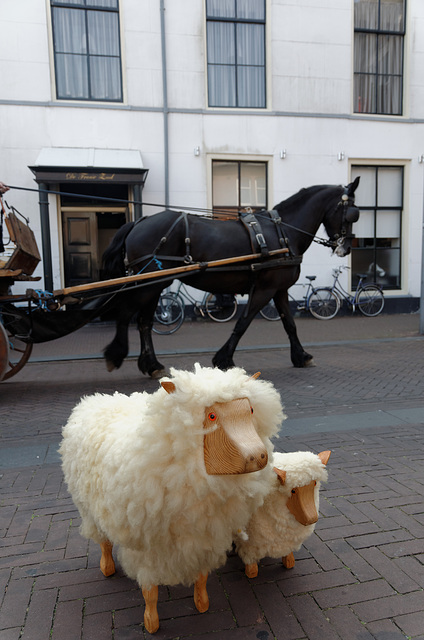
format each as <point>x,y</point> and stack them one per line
<point>338,224</point>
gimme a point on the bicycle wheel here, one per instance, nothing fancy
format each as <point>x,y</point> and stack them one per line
<point>169,314</point>
<point>370,300</point>
<point>323,303</point>
<point>221,307</point>
<point>269,312</point>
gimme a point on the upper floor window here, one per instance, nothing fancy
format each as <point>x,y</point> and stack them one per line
<point>87,49</point>
<point>378,56</point>
<point>236,53</point>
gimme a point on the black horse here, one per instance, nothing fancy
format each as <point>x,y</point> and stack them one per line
<point>170,238</point>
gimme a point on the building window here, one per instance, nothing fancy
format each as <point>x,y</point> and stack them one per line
<point>238,185</point>
<point>377,246</point>
<point>378,56</point>
<point>236,53</point>
<point>87,50</point>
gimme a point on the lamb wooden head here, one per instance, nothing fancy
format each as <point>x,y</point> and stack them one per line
<point>231,443</point>
<point>301,502</point>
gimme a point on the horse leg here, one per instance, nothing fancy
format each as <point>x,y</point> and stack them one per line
<point>147,361</point>
<point>107,565</point>
<point>223,359</point>
<point>151,618</point>
<point>298,355</point>
<point>117,350</point>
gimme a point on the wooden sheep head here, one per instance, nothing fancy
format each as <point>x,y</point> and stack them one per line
<point>231,444</point>
<point>301,502</point>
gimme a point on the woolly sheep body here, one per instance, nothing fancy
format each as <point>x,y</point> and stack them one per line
<point>135,469</point>
<point>273,531</point>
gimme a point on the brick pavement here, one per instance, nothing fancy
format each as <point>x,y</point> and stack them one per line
<point>359,577</point>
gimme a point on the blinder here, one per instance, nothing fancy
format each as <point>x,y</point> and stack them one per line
<point>352,214</point>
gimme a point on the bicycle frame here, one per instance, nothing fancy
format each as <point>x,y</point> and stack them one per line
<point>337,287</point>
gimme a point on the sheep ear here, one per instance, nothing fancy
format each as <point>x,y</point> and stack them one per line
<point>324,456</point>
<point>168,386</point>
<point>255,375</point>
<point>281,475</point>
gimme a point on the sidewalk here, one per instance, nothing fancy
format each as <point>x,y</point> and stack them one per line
<point>359,577</point>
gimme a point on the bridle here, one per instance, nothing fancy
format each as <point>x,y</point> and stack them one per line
<point>350,215</point>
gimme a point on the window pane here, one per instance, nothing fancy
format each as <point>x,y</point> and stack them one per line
<point>221,8</point>
<point>251,87</point>
<point>389,186</point>
<point>365,98</point>
<point>69,31</point>
<point>103,33</point>
<point>387,268</point>
<point>251,9</point>
<point>221,43</point>
<point>71,76</point>
<point>365,59</point>
<point>389,95</point>
<point>253,184</point>
<point>105,78</point>
<point>222,86</point>
<point>365,193</point>
<point>366,14</point>
<point>80,2</point>
<point>390,54</point>
<point>108,4</point>
<point>250,44</point>
<point>364,228</point>
<point>391,15</point>
<point>388,224</point>
<point>225,184</point>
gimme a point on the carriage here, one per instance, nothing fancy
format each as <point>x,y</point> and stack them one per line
<point>255,254</point>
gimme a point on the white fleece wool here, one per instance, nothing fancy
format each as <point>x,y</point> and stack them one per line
<point>273,531</point>
<point>135,469</point>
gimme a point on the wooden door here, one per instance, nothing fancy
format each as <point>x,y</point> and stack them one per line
<point>80,247</point>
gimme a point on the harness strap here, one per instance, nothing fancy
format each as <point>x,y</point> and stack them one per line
<point>257,238</point>
<point>282,239</point>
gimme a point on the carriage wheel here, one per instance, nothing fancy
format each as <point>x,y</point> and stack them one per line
<point>14,354</point>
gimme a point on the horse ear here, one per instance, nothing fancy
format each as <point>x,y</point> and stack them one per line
<point>324,456</point>
<point>255,375</point>
<point>168,386</point>
<point>351,188</point>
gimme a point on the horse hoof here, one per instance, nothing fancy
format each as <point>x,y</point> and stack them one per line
<point>110,366</point>
<point>157,374</point>
<point>310,363</point>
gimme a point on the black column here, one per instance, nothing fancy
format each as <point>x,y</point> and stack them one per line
<point>45,237</point>
<point>138,204</point>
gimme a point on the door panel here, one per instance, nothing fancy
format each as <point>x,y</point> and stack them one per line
<point>80,247</point>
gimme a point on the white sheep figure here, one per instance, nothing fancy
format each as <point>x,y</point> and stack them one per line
<point>289,513</point>
<point>171,476</point>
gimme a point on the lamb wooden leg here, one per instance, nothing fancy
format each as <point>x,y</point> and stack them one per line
<point>107,565</point>
<point>251,570</point>
<point>201,599</point>
<point>151,618</point>
<point>288,561</point>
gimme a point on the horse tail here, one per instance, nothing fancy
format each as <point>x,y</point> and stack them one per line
<point>113,265</point>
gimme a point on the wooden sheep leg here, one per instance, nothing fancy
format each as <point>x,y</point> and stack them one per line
<point>251,570</point>
<point>107,565</point>
<point>201,599</point>
<point>288,561</point>
<point>151,618</point>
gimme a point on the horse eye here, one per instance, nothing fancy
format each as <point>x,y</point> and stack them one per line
<point>212,416</point>
<point>293,490</point>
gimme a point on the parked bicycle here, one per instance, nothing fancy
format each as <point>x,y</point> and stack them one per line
<point>324,302</point>
<point>321,302</point>
<point>170,312</point>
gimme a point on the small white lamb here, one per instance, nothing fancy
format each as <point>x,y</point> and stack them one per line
<point>171,476</point>
<point>289,513</point>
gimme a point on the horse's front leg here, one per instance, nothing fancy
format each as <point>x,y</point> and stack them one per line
<point>107,565</point>
<point>117,350</point>
<point>151,617</point>
<point>201,599</point>
<point>147,361</point>
<point>299,357</point>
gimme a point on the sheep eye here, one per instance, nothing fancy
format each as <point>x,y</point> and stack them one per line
<point>315,483</point>
<point>212,416</point>
<point>251,409</point>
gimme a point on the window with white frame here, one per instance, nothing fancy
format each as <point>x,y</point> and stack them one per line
<point>237,185</point>
<point>378,56</point>
<point>236,53</point>
<point>87,50</point>
<point>377,247</point>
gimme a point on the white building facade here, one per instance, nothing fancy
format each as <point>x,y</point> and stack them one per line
<point>209,104</point>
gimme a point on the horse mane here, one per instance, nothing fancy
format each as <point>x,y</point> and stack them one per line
<point>113,265</point>
<point>293,202</point>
